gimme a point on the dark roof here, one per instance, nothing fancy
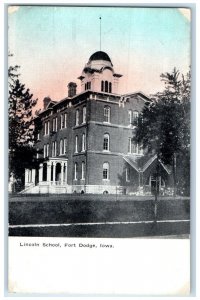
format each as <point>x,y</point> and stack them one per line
<point>100,55</point>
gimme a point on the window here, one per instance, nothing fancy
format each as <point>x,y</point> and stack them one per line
<point>46,127</point>
<point>140,149</point>
<point>84,114</point>
<point>106,142</point>
<point>65,120</point>
<point>65,145</point>
<point>102,86</point>
<point>110,87</point>
<point>127,174</point>
<point>44,152</point>
<point>129,145</point>
<point>76,144</point>
<point>134,148</point>
<point>75,171</point>
<point>106,171</point>
<point>83,142</point>
<point>37,155</point>
<point>135,117</point>
<point>61,122</point>
<point>88,85</point>
<point>61,147</point>
<point>107,114</point>
<point>54,149</point>
<point>55,124</point>
<point>106,86</point>
<point>38,136</point>
<point>130,117</point>
<point>83,170</point>
<point>77,117</point>
<point>47,150</point>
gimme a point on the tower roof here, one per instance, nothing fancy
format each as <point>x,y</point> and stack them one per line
<point>100,55</point>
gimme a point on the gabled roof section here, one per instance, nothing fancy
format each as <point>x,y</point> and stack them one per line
<point>140,94</point>
<point>51,104</point>
<point>143,163</point>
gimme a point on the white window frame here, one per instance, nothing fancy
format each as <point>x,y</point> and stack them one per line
<point>127,174</point>
<point>106,114</point>
<point>130,117</point>
<point>135,116</point>
<point>65,146</point>
<point>47,150</point>
<point>83,143</point>
<point>106,137</point>
<point>65,120</point>
<point>106,168</point>
<point>76,144</point>
<point>75,170</point>
<point>129,145</point>
<point>84,114</point>
<point>61,147</point>
<point>77,117</point>
<point>61,121</point>
<point>44,151</point>
<point>83,170</point>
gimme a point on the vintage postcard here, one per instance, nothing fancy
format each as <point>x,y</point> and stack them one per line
<point>99,150</point>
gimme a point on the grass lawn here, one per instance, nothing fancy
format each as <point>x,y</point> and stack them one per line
<point>64,209</point>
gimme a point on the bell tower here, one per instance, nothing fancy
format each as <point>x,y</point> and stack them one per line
<point>98,74</point>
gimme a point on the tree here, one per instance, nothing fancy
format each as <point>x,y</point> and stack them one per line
<point>21,129</point>
<point>164,127</point>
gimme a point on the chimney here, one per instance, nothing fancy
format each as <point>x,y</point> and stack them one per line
<point>46,101</point>
<point>72,89</point>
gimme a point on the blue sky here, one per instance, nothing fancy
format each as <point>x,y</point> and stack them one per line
<point>52,45</point>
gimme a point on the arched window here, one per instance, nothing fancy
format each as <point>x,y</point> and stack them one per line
<point>106,86</point>
<point>61,147</point>
<point>106,142</point>
<point>76,144</point>
<point>75,171</point>
<point>102,86</point>
<point>84,114</point>
<point>77,117</point>
<point>83,170</point>
<point>110,87</point>
<point>106,170</point>
<point>107,114</point>
<point>83,142</point>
